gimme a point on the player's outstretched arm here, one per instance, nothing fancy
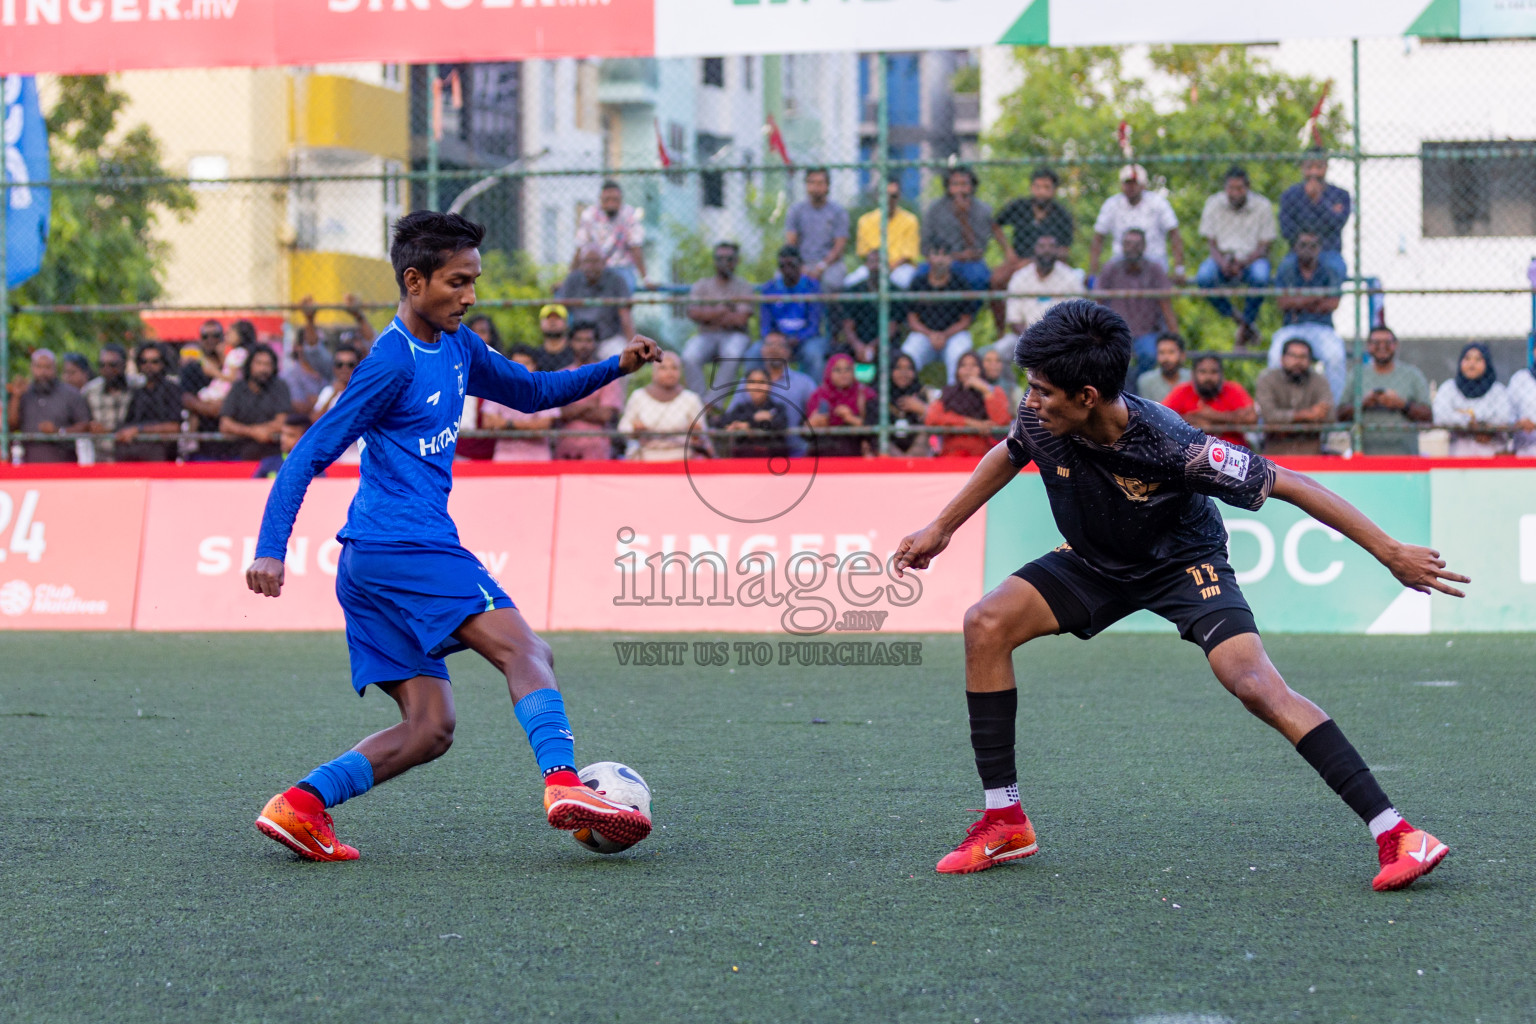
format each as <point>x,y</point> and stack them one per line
<point>991,475</point>
<point>507,383</point>
<point>1417,568</point>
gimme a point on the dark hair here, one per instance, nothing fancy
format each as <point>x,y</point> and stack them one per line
<point>427,239</point>
<point>212,321</point>
<point>893,178</point>
<point>735,249</point>
<point>245,331</point>
<point>609,183</point>
<point>491,337</point>
<point>114,349</point>
<point>79,361</point>
<point>585,326</point>
<point>1176,338</point>
<point>1315,153</point>
<point>347,346</point>
<point>789,251</point>
<point>1078,344</point>
<point>295,419</point>
<point>257,350</point>
<point>961,169</point>
<point>821,171</point>
<point>1383,328</point>
<point>1046,172</point>
<point>1236,171</point>
<point>1298,341</point>
<point>1207,357</point>
<point>1313,233</point>
<point>1134,231</point>
<point>138,353</point>
<point>520,349</point>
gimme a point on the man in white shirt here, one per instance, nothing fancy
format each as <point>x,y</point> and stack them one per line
<point>1145,211</point>
<point>1238,225</point>
<point>1034,288</point>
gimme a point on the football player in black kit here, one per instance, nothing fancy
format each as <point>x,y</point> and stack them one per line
<point>1130,486</point>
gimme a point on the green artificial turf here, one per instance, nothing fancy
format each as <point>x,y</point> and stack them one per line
<point>1191,866</point>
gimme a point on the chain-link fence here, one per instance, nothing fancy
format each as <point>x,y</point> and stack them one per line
<point>1386,182</point>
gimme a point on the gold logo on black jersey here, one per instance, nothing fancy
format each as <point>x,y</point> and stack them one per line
<point>1136,490</point>
<point>1063,471</point>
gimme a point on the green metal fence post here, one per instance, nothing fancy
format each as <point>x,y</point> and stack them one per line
<point>883,318</point>
<point>1357,429</point>
<point>434,90</point>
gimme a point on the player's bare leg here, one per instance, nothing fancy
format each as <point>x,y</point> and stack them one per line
<point>425,731</point>
<point>1243,667</point>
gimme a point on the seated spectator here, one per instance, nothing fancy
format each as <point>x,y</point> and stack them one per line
<point>232,367</point>
<point>1148,318</point>
<point>908,402</point>
<point>1135,207</point>
<point>588,417</point>
<point>75,371</point>
<point>1396,396</point>
<point>471,419</point>
<point>1022,222</point>
<point>856,325</point>
<point>485,327</point>
<point>494,416</point>
<point>758,409</point>
<point>294,426</point>
<point>1213,403</point>
<point>342,364</point>
<point>998,372</point>
<point>1312,205</point>
<point>1310,317</point>
<point>720,306</point>
<point>798,322</point>
<point>1475,406</point>
<point>154,410</point>
<point>940,327</point>
<point>969,402</point>
<point>790,386</point>
<point>1041,283</point>
<point>592,280</point>
<point>841,401</point>
<point>902,237</point>
<point>1170,371</point>
<point>43,404</point>
<point>616,231</point>
<point>818,227</point>
<point>554,352</point>
<point>961,224</point>
<point>1238,225</point>
<point>304,379</point>
<point>1293,393</point>
<point>661,415</point>
<point>1522,396</point>
<point>108,396</point>
<point>257,407</point>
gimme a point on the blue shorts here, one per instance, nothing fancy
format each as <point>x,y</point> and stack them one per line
<point>403,603</point>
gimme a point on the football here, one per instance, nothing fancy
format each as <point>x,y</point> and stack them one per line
<point>617,782</point>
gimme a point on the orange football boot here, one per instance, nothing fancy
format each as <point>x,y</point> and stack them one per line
<point>990,840</point>
<point>577,807</point>
<point>311,836</point>
<point>1406,853</point>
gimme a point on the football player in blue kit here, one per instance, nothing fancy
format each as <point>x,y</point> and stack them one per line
<point>410,592</point>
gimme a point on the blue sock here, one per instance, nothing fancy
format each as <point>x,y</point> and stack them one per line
<point>542,715</point>
<point>348,776</point>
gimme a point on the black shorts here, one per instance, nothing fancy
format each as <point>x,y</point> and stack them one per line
<point>1202,600</point>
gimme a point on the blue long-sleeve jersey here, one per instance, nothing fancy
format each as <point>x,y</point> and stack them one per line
<point>405,400</point>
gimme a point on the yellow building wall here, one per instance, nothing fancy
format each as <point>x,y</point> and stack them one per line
<point>329,276</point>
<point>336,112</point>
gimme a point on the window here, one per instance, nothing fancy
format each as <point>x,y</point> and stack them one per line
<point>714,71</point>
<point>1479,189</point>
<point>712,183</point>
<point>549,120</point>
<point>748,73</point>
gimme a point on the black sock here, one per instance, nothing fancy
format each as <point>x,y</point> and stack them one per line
<point>311,790</point>
<point>992,716</point>
<point>1341,766</point>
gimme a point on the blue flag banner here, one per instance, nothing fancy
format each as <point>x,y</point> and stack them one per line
<point>26,161</point>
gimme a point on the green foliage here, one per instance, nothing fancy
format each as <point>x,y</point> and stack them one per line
<point>505,275</point>
<point>966,79</point>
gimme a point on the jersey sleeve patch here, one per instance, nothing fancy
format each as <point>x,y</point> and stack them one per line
<point>1228,461</point>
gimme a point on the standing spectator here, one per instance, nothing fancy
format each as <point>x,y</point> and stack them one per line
<point>256,408</point>
<point>585,419</point>
<point>294,426</point>
<point>342,364</point>
<point>308,340</point>
<point>1041,283</point>
<point>304,379</point>
<point>855,324</point>
<point>43,404</point>
<point>998,372</point>
<point>616,230</point>
<point>1238,226</point>
<point>1522,396</point>
<point>1157,383</point>
<point>902,234</point>
<point>661,415</point>
<point>790,387</point>
<point>1474,405</point>
<point>108,396</point>
<point>1315,206</point>
<point>1211,402</point>
<point>76,371</point>
<point>615,324</point>
<point>758,409</point>
<point>969,402</point>
<point>1396,396</point>
<point>494,416</point>
<point>841,401</point>
<point>1150,212</point>
<point>1293,393</point>
<point>154,409</point>
<point>961,224</point>
<point>554,351</point>
<point>818,227</point>
<point>939,326</point>
<point>1023,221</point>
<point>1146,317</point>
<point>719,305</point>
<point>1310,317</point>
<point>799,322</point>
<point>908,402</point>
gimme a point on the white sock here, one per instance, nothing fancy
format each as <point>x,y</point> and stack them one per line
<point>1384,822</point>
<point>1003,796</point>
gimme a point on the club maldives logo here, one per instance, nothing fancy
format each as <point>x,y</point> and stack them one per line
<point>18,597</point>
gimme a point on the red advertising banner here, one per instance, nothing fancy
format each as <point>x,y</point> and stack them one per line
<point>69,553</point>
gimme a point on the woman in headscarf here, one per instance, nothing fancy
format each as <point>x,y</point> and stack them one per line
<point>841,401</point>
<point>758,409</point>
<point>908,401</point>
<point>969,402</point>
<point>1522,395</point>
<point>1473,404</point>
<point>996,371</point>
<point>661,414</point>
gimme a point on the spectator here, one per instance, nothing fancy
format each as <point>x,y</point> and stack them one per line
<point>1041,283</point>
<point>592,415</point>
<point>1310,317</point>
<point>661,415</point>
<point>998,372</point>
<point>554,352</point>
<point>720,305</point>
<point>856,325</point>
<point>485,327</point>
<point>304,379</point>
<point>1474,405</point>
<point>1023,221</point>
<point>969,402</point>
<point>799,322</point>
<point>154,408</point>
<point>309,341</point>
<point>1148,318</point>
<point>471,419</point>
<point>108,396</point>
<point>902,235</point>
<point>1211,402</point>
<point>614,322</point>
<point>758,409</point>
<point>1155,384</point>
<point>908,401</point>
<point>841,401</point>
<point>617,232</point>
<point>76,371</point>
<point>342,364</point>
<point>791,387</point>
<point>256,409</point>
<point>1522,396</point>
<point>1313,205</point>
<point>960,224</point>
<point>1150,212</point>
<point>1293,393</point>
<point>818,227</point>
<point>293,428</point>
<point>494,416</point>
<point>1396,395</point>
<point>939,326</point>
<point>232,368</point>
<point>1238,226</point>
<point>43,404</point>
